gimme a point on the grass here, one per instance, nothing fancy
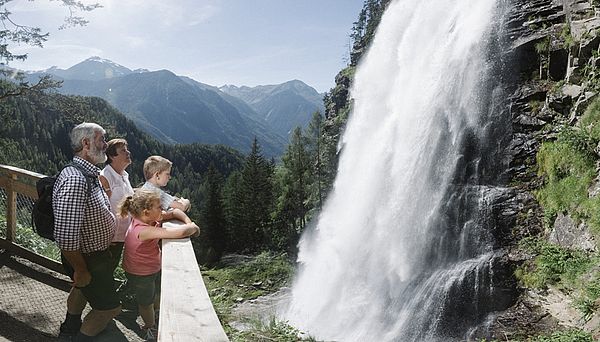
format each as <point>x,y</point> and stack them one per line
<point>553,265</point>
<point>586,302</point>
<point>574,335</point>
<point>567,165</point>
<point>27,238</point>
<point>273,330</point>
<point>259,276</point>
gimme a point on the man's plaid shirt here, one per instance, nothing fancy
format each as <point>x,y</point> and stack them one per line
<point>81,222</point>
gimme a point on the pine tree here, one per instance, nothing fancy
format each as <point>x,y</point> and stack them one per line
<point>248,199</point>
<point>212,212</point>
<point>232,201</point>
<point>257,197</point>
<point>314,149</point>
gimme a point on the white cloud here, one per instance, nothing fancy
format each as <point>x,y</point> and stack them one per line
<point>214,41</point>
<point>166,14</point>
<point>67,54</point>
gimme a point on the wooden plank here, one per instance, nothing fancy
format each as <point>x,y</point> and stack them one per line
<point>11,211</point>
<point>22,188</point>
<point>21,172</point>
<point>31,256</point>
<point>26,190</point>
<point>186,312</point>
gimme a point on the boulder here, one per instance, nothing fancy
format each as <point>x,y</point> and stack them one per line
<point>571,90</point>
<point>527,317</point>
<point>581,104</point>
<point>570,234</point>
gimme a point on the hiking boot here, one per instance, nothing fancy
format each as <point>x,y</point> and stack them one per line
<point>151,334</point>
<point>68,330</point>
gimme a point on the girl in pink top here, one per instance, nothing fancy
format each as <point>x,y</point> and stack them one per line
<point>141,257</point>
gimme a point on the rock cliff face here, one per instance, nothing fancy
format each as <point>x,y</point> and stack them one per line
<point>550,66</point>
<point>553,52</point>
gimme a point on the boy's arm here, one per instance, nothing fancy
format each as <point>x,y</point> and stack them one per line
<point>181,216</point>
<point>176,214</point>
<point>182,204</point>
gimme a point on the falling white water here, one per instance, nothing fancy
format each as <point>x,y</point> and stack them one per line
<point>401,238</point>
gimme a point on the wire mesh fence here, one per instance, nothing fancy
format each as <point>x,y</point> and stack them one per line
<point>25,235</point>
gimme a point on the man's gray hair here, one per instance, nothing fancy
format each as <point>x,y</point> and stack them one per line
<point>84,130</point>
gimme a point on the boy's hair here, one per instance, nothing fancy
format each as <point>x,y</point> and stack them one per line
<point>113,145</point>
<point>154,165</point>
<point>142,199</point>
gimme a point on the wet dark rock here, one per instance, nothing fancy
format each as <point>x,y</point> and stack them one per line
<point>523,319</point>
<point>588,41</point>
<point>528,24</point>
<point>559,61</point>
<point>522,149</point>
<point>535,105</point>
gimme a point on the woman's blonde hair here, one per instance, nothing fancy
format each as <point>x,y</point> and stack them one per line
<point>142,199</point>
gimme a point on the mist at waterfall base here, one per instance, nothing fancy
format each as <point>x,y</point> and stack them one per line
<point>403,249</point>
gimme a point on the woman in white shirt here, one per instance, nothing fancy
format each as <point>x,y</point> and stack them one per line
<point>115,181</point>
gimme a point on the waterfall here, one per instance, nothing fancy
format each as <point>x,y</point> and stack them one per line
<point>404,248</point>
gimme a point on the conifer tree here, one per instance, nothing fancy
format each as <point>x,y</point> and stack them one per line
<point>257,197</point>
<point>248,199</point>
<point>212,212</point>
<point>314,149</point>
<point>297,162</point>
<point>235,232</point>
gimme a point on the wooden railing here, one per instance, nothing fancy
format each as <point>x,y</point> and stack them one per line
<point>186,312</point>
<point>21,182</point>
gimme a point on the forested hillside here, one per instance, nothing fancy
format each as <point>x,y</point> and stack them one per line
<point>35,129</point>
<point>249,204</point>
<point>174,109</point>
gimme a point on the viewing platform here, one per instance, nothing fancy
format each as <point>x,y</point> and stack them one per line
<point>34,288</point>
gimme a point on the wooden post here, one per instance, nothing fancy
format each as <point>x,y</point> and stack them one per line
<point>11,209</point>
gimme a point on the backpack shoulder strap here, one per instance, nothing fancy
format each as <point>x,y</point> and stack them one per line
<point>88,177</point>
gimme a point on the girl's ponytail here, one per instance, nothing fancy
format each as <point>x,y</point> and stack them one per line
<point>125,206</point>
<point>135,205</point>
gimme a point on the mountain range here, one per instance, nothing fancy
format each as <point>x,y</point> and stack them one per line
<point>178,109</point>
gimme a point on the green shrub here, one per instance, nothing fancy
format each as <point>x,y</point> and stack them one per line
<point>273,330</point>
<point>553,265</point>
<point>260,276</point>
<point>27,238</point>
<point>568,167</point>
<point>568,171</point>
<point>574,335</point>
<point>586,303</point>
<point>590,122</point>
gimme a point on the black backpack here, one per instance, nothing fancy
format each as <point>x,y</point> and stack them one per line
<point>42,214</point>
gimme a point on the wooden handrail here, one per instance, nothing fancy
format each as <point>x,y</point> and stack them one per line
<point>186,312</point>
<point>18,181</point>
<point>181,282</point>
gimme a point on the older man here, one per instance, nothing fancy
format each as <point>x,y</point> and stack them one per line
<point>83,229</point>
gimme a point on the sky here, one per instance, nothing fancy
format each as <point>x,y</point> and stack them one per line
<point>217,42</point>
